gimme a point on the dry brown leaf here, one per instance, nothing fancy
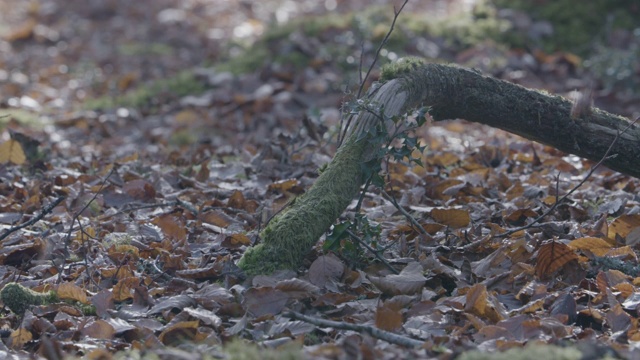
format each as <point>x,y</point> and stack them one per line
<point>264,300</point>
<point>236,200</point>
<point>388,319</point>
<point>172,227</point>
<point>235,241</point>
<point>623,225</point>
<point>410,281</point>
<point>70,291</point>
<point>20,337</point>
<point>477,300</point>
<point>618,319</point>
<point>325,271</point>
<point>206,316</point>
<point>123,290</point>
<point>551,257</point>
<point>216,218</point>
<point>99,329</point>
<point>180,332</point>
<point>140,189</point>
<point>598,247</point>
<point>297,288</point>
<point>284,186</point>
<point>454,218</point>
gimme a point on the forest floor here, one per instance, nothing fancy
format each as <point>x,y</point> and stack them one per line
<point>146,143</point>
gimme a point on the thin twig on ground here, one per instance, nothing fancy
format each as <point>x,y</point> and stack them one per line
<point>563,198</point>
<point>404,212</point>
<point>375,252</point>
<point>84,233</point>
<point>387,336</point>
<point>45,210</point>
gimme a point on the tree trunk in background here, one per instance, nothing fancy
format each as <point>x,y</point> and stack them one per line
<point>451,92</point>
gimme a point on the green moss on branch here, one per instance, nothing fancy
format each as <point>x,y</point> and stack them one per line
<point>292,233</point>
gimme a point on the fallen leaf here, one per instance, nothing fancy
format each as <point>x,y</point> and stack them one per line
<point>409,281</point>
<point>11,151</point>
<point>551,257</point>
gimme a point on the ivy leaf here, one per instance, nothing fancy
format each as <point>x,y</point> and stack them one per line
<point>339,232</point>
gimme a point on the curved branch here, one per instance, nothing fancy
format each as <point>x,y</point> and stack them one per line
<point>451,92</point>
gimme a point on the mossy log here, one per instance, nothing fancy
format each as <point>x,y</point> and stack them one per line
<point>451,92</point>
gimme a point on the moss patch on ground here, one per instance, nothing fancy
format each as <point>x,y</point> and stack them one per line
<point>577,27</point>
<point>182,84</point>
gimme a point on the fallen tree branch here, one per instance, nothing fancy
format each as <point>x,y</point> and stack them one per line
<point>387,336</point>
<point>450,92</point>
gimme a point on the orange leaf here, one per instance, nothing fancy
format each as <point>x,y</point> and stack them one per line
<point>388,319</point>
<point>477,300</point>
<point>552,256</point>
<point>235,241</point>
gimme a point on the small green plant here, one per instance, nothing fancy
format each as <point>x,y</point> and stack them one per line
<point>401,144</point>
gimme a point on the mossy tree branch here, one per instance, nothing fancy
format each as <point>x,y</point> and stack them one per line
<point>451,92</point>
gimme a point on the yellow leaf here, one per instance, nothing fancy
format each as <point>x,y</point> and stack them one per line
<point>597,246</point>
<point>20,337</point>
<point>451,217</point>
<point>72,291</point>
<point>11,151</point>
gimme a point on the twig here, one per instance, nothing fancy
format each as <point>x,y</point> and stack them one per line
<point>47,209</point>
<point>396,13</point>
<point>562,199</point>
<point>75,218</point>
<point>387,336</point>
<point>373,251</point>
<point>404,212</point>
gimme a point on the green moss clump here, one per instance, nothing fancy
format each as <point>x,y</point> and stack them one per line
<point>576,27</point>
<point>400,67</point>
<point>291,234</point>
<point>182,84</point>
<point>19,298</point>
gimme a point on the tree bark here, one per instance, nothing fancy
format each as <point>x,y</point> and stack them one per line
<point>451,92</point>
